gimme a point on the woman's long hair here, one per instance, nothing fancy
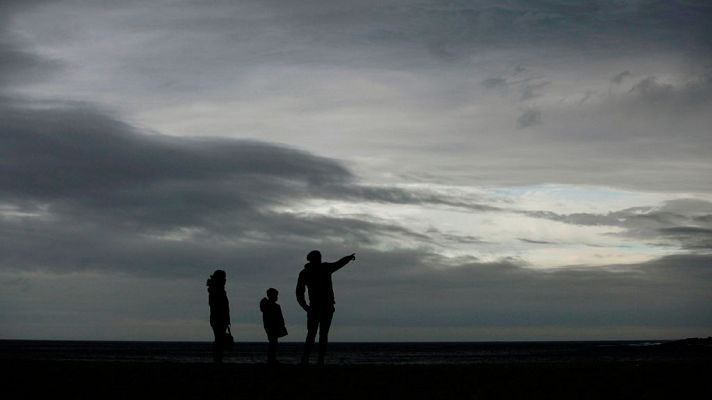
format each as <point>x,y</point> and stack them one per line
<point>217,279</point>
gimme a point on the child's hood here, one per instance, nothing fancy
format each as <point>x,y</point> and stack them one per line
<point>264,304</point>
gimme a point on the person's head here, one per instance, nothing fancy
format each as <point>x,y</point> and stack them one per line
<point>217,279</point>
<point>314,257</point>
<point>272,294</point>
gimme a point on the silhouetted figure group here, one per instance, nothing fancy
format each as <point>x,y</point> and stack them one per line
<point>314,278</point>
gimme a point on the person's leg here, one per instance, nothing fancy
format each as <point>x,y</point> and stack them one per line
<point>272,350</point>
<point>312,326</point>
<point>324,325</point>
<point>219,333</point>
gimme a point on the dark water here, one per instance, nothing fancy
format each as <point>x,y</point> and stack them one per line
<point>353,353</point>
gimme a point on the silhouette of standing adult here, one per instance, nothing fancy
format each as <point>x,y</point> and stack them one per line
<point>316,276</point>
<point>219,312</point>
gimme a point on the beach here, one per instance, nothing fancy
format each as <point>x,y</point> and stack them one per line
<point>664,379</point>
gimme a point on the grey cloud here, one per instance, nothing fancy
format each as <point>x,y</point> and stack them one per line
<point>534,241</point>
<point>651,135</point>
<point>532,90</point>
<point>83,158</point>
<point>82,163</point>
<point>691,237</point>
<point>529,118</point>
<point>618,78</point>
<point>650,94</point>
<point>705,219</point>
<point>494,83</point>
<point>18,66</point>
<point>558,23</point>
<point>378,292</point>
<point>461,25</point>
<point>86,191</point>
<point>394,195</point>
<point>687,222</point>
<point>464,239</point>
<point>81,190</point>
<point>394,34</point>
<point>232,52</point>
<point>259,245</point>
<point>505,294</point>
<point>9,8</point>
<point>586,96</point>
<point>687,230</point>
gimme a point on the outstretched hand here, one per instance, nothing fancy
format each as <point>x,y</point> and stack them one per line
<point>352,257</point>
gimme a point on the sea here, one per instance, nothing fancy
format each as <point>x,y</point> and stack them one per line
<point>353,353</point>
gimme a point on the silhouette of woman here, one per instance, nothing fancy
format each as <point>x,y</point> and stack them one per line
<point>219,312</point>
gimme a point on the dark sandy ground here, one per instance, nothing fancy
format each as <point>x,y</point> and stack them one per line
<point>29,379</point>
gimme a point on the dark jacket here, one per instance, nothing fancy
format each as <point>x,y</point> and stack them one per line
<point>317,279</point>
<point>219,306</point>
<point>272,318</point>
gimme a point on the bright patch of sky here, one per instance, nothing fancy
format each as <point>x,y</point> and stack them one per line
<point>489,236</point>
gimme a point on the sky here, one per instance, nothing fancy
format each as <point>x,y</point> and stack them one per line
<point>503,170</point>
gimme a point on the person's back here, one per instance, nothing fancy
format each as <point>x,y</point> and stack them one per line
<point>317,279</point>
<point>219,306</point>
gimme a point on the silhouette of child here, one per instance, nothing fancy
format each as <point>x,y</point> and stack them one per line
<point>273,323</point>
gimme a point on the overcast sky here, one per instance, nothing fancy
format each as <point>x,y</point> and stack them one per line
<point>504,170</point>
